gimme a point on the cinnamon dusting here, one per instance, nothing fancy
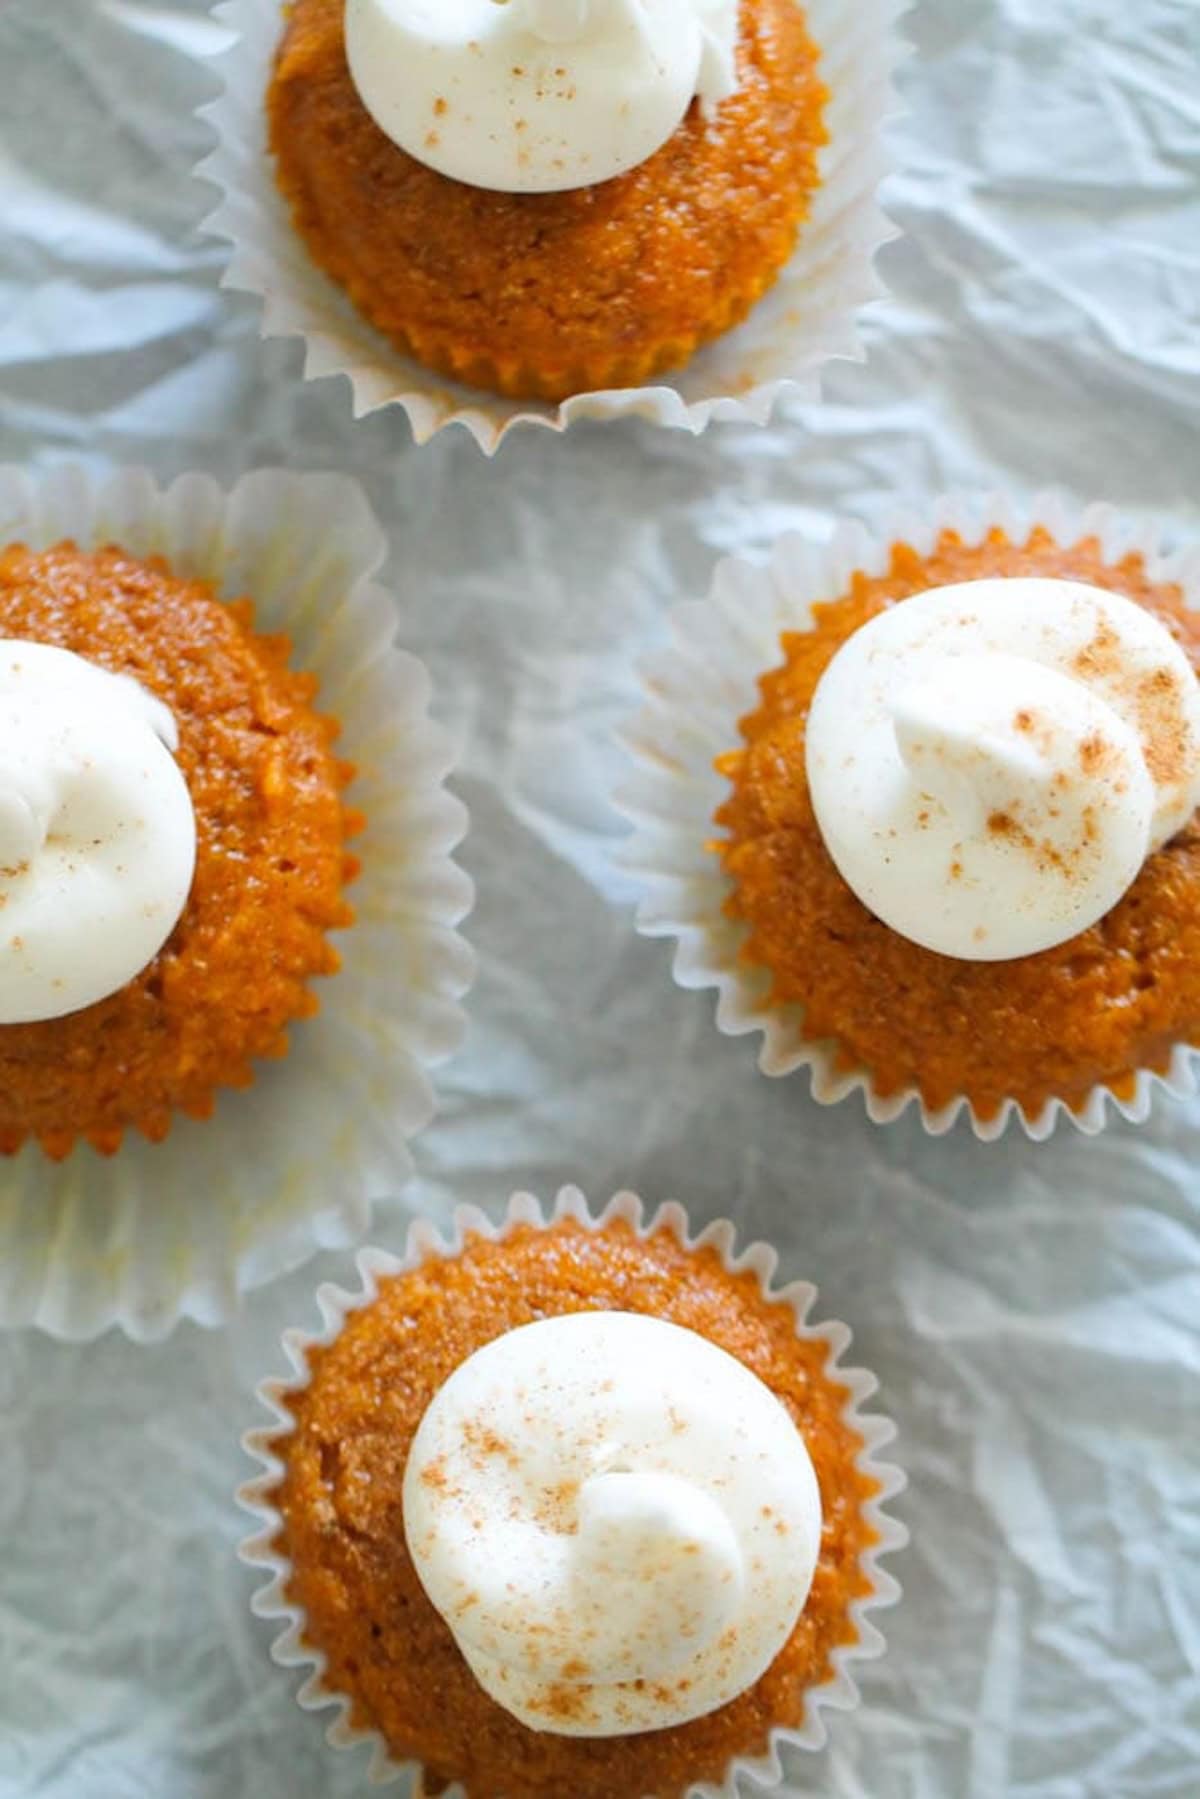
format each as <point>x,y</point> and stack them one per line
<point>271,855</point>
<point>1116,998</point>
<point>541,295</point>
<point>386,1646</point>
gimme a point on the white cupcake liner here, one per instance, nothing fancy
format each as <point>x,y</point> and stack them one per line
<point>160,1232</point>
<point>289,1650</point>
<point>806,320</point>
<point>695,694</point>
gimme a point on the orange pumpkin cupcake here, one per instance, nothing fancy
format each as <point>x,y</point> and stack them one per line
<point>573,1506</point>
<point>956,859</point>
<point>266,825</point>
<point>556,201</point>
<point>176,822</point>
<point>549,266</point>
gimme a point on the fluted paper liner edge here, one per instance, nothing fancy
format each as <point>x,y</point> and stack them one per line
<point>693,697</point>
<point>289,1649</point>
<point>159,1232</point>
<point>806,320</point>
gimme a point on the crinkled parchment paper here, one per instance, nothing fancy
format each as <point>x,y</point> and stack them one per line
<point>1033,1312</point>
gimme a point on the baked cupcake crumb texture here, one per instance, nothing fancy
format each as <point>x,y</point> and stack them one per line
<point>541,295</point>
<point>340,1504</point>
<point>271,855</point>
<point>1094,1011</point>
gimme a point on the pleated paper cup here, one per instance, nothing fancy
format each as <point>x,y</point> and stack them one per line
<point>290,1648</point>
<point>807,319</point>
<point>696,692</point>
<point>160,1232</point>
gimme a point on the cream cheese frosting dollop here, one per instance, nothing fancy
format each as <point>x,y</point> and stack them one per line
<point>991,763</point>
<point>617,1519</point>
<point>97,832</point>
<point>532,96</point>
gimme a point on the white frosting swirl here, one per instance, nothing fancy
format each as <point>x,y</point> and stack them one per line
<point>990,764</point>
<point>97,833</point>
<point>530,96</point>
<point>605,1499</point>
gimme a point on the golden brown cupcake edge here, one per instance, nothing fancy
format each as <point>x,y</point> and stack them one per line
<point>340,1502</point>
<point>1116,999</point>
<point>539,296</point>
<point>271,855</point>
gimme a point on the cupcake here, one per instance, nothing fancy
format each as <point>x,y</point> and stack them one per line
<point>958,857</point>
<point>173,846</point>
<point>546,197</point>
<point>573,1506</point>
<point>549,204</point>
<point>183,821</point>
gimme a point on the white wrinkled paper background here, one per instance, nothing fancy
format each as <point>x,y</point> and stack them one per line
<point>1033,1312</point>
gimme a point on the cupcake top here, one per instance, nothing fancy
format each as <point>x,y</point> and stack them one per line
<point>617,1520</point>
<point>996,738</point>
<point>534,96</point>
<point>97,831</point>
<point>528,197</point>
<point>574,1511</point>
<point>182,808</point>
